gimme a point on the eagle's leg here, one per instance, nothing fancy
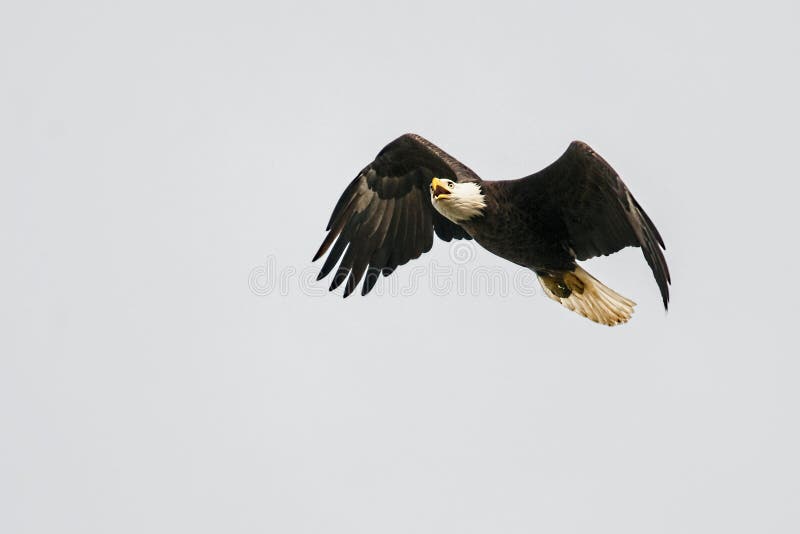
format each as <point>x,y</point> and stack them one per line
<point>561,283</point>
<point>580,292</point>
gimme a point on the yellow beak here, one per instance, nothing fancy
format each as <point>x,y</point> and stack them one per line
<point>438,188</point>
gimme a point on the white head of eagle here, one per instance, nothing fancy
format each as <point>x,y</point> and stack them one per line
<point>458,202</point>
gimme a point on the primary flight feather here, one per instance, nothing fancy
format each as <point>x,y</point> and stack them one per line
<point>574,209</point>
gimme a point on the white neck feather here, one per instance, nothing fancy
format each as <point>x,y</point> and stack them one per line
<point>465,202</point>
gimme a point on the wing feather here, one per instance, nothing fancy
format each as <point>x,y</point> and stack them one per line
<point>371,234</point>
<point>600,216</point>
<point>384,217</point>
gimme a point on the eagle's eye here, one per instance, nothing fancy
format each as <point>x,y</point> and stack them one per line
<point>451,184</point>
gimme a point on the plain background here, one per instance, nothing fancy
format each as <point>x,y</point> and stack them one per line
<point>155,155</point>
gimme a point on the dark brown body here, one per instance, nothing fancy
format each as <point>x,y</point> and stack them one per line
<point>519,227</point>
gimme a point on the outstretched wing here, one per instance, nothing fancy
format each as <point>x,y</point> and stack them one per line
<point>385,217</point>
<point>599,213</point>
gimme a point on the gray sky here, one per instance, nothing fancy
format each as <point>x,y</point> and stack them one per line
<point>164,164</point>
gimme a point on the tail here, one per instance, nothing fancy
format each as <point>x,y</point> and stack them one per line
<point>581,292</point>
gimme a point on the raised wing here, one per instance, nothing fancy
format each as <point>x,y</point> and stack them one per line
<point>385,218</point>
<point>600,215</point>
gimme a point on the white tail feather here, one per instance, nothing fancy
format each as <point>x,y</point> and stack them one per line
<point>597,302</point>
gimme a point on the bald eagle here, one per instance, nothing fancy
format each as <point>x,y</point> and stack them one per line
<point>574,209</point>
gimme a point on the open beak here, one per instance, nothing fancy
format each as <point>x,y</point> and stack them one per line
<point>439,190</point>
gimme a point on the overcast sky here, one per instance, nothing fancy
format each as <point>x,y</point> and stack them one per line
<point>167,363</point>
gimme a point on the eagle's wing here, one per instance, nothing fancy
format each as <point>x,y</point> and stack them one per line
<point>599,213</point>
<point>385,217</point>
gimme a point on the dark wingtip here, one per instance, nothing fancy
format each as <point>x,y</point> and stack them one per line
<point>663,285</point>
<point>338,278</point>
<point>370,280</point>
<point>322,248</point>
<point>652,246</point>
<point>349,286</point>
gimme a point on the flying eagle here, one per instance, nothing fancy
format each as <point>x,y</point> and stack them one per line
<point>574,209</point>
